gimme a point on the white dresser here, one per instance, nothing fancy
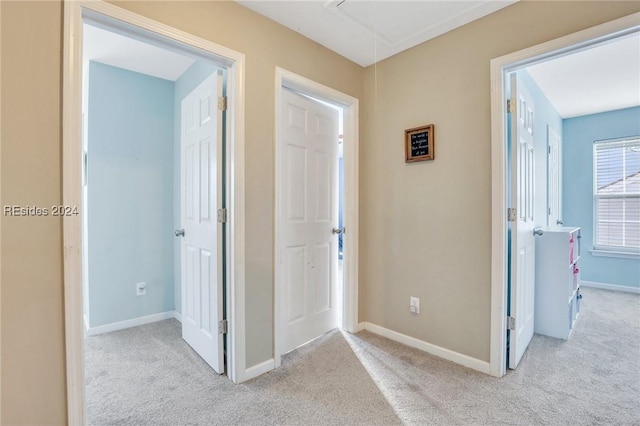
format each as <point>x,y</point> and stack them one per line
<point>557,281</point>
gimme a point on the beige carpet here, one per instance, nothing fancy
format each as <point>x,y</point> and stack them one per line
<point>148,376</point>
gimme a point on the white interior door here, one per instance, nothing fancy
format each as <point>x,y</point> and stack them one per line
<point>554,181</point>
<point>308,206</point>
<point>522,228</point>
<point>201,143</point>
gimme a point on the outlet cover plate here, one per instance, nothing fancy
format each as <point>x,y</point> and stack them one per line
<point>414,304</point>
<point>141,289</point>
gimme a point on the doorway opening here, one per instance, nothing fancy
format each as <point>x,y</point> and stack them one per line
<point>582,97</point>
<point>340,229</point>
<point>153,163</point>
<point>123,165</point>
<point>316,212</point>
<point>507,206</point>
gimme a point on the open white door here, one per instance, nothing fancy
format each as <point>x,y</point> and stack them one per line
<point>522,225</point>
<point>554,162</point>
<point>308,197</point>
<point>201,144</point>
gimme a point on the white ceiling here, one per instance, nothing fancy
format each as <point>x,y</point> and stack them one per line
<point>119,51</point>
<point>603,78</point>
<point>369,31</point>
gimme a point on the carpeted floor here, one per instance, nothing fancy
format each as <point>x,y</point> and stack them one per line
<point>148,376</point>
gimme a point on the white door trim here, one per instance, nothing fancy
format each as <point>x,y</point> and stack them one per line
<point>350,104</point>
<point>74,13</point>
<point>499,68</point>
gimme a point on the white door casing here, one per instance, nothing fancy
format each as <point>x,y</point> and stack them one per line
<point>115,17</point>
<point>308,197</point>
<point>201,253</point>
<point>500,160</point>
<point>554,179</point>
<point>522,228</point>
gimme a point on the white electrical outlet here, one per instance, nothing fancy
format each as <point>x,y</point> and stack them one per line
<point>414,305</point>
<point>141,289</point>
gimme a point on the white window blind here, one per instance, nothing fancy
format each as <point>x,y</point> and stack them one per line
<point>617,194</point>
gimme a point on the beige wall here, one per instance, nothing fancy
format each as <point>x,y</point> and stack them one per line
<point>445,82</point>
<point>426,227</point>
<point>33,369</point>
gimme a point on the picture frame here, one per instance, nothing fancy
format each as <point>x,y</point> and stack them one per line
<point>419,144</point>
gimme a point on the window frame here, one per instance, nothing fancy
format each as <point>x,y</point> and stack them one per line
<point>601,249</point>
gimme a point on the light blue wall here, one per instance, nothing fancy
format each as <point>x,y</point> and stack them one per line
<point>545,115</point>
<point>579,134</point>
<point>188,81</point>
<point>130,197</point>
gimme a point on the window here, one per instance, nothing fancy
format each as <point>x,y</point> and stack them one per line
<point>617,194</point>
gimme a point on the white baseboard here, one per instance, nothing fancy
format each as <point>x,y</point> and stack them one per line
<point>121,325</point>
<point>360,326</point>
<point>447,354</point>
<point>614,287</point>
<point>177,315</point>
<point>259,369</point>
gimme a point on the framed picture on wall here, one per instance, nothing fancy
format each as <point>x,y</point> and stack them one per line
<point>419,144</point>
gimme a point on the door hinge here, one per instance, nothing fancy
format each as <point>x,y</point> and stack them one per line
<point>222,215</point>
<point>222,103</point>
<point>549,150</point>
<point>511,323</point>
<point>511,106</point>
<point>512,215</point>
<point>223,327</point>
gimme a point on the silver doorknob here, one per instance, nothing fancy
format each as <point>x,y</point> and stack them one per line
<point>559,222</point>
<point>179,232</point>
<point>537,231</point>
<point>338,231</point>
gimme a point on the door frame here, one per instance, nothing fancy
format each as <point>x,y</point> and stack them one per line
<point>500,67</point>
<point>75,12</point>
<point>286,79</point>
